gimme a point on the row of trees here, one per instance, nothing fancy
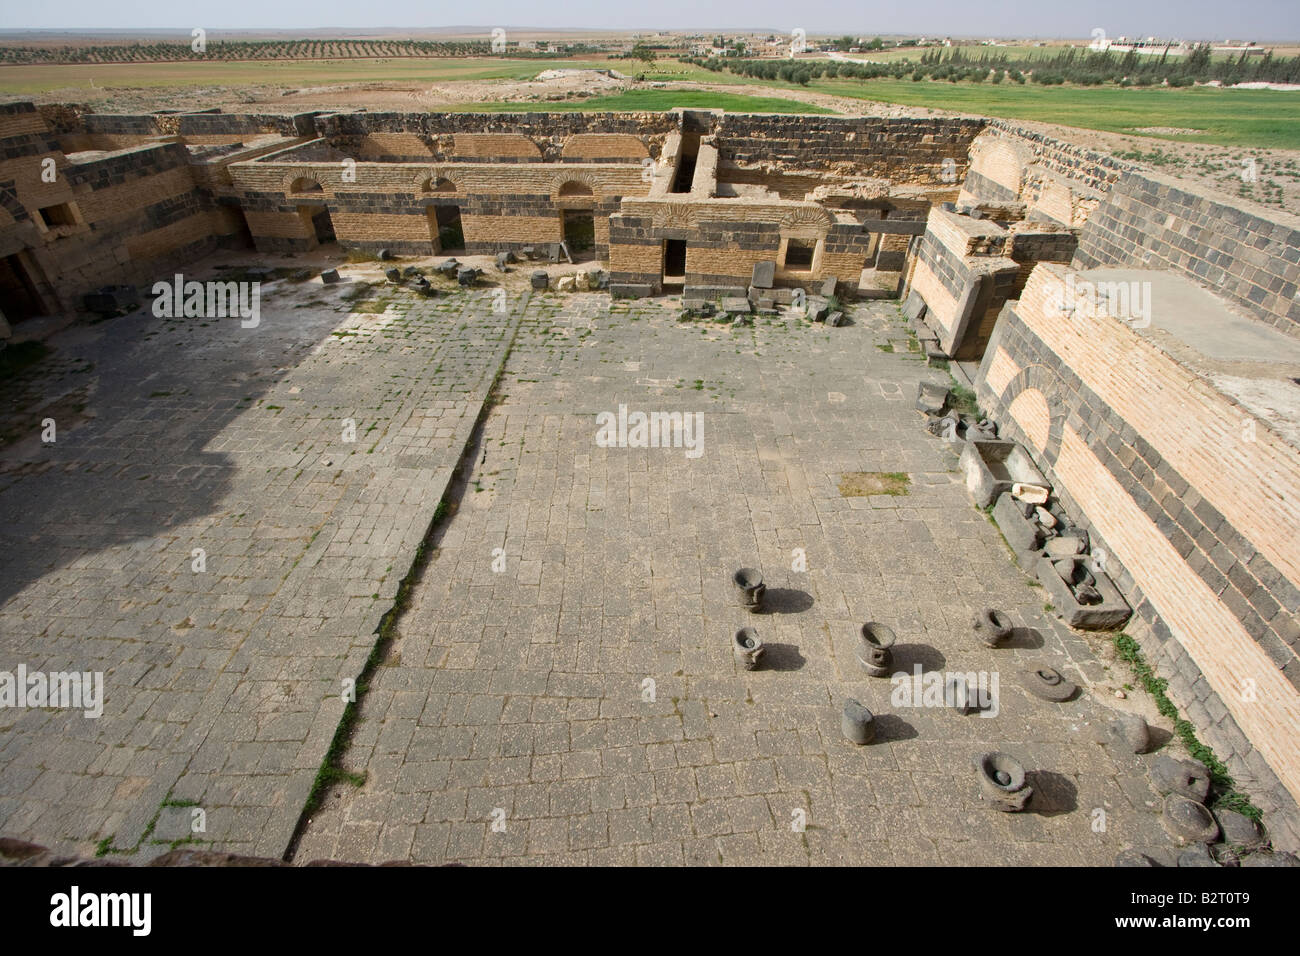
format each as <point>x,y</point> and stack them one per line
<point>271,50</point>
<point>1082,67</point>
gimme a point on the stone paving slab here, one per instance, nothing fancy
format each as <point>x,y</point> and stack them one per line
<point>222,689</point>
<point>513,719</point>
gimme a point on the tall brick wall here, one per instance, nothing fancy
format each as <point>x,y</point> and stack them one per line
<point>1247,255</point>
<point>1196,522</point>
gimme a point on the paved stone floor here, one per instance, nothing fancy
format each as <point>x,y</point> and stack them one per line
<point>222,687</point>
<point>512,719</point>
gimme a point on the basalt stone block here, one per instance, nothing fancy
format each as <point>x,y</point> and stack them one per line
<point>734,305</point>
<point>1197,855</point>
<point>1108,613</point>
<point>1240,830</point>
<point>914,307</point>
<point>466,276</point>
<point>1128,732</point>
<point>993,467</point>
<point>931,398</point>
<point>818,308</point>
<point>393,275</point>
<point>539,280</point>
<point>329,276</point>
<point>764,275</point>
<point>448,268</point>
<point>528,252</point>
<point>502,261</point>
<point>1064,546</point>
<point>857,723</point>
<point>1024,535</point>
<point>1188,778</point>
<point>631,290</point>
<point>835,319</point>
<point>1187,821</point>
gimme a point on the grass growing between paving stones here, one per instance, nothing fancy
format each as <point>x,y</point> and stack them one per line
<point>1227,797</point>
<point>861,484</point>
<point>105,846</point>
<point>331,770</point>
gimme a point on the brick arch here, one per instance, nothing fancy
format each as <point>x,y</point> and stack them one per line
<point>1034,391</point>
<point>561,180</point>
<point>286,184</point>
<point>999,162</point>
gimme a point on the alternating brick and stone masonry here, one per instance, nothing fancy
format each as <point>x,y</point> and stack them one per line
<point>1169,430</point>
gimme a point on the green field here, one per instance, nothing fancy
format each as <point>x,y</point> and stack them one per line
<point>1267,118</point>
<point>1261,118</point>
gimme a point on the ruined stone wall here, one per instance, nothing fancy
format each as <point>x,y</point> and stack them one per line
<point>134,214</point>
<point>385,205</point>
<point>1197,524</point>
<point>494,137</point>
<point>1249,256</point>
<point>928,151</point>
<point>726,238</point>
<point>1056,180</point>
<point>118,130</point>
<point>963,274</point>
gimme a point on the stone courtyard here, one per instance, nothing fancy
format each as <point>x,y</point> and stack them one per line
<point>559,686</point>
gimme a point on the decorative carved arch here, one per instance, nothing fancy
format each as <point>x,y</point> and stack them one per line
<point>429,181</point>
<point>675,216</point>
<point>807,216</point>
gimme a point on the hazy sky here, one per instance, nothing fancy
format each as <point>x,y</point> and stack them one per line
<point>1194,19</point>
